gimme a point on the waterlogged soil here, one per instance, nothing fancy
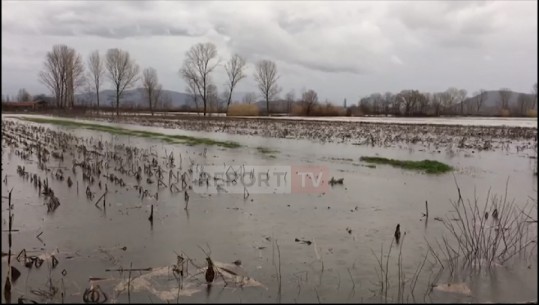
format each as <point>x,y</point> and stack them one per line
<point>441,134</point>
<point>294,247</point>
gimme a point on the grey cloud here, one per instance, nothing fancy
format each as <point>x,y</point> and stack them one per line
<point>449,24</point>
<point>319,45</point>
<point>98,19</point>
<point>330,67</point>
<point>460,42</point>
<point>145,28</point>
<point>295,25</point>
<point>298,41</point>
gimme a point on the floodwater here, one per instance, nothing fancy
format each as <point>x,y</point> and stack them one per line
<point>325,245</point>
<point>464,121</point>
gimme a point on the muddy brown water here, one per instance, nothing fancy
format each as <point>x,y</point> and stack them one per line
<point>337,266</point>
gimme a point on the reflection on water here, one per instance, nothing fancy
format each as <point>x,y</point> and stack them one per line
<point>347,226</point>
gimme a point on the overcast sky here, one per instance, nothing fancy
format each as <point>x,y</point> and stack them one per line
<point>341,49</point>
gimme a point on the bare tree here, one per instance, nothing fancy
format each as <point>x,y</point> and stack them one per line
<point>150,82</point>
<point>376,100</point>
<point>525,102</point>
<point>365,106</point>
<point>23,96</point>
<point>448,99</point>
<point>389,99</point>
<point>422,103</point>
<point>459,99</point>
<point>289,98</point>
<point>405,99</point>
<point>505,95</point>
<point>63,73</point>
<point>122,72</point>
<point>249,98</point>
<point>75,75</point>
<point>53,75</point>
<point>192,90</point>
<point>234,69</point>
<point>266,77</point>
<point>96,69</point>
<point>197,67</point>
<point>479,99</point>
<point>309,99</point>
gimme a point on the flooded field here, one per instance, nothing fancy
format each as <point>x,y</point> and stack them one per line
<point>464,121</point>
<point>118,212</point>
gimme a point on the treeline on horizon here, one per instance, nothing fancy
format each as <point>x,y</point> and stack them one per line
<point>65,73</point>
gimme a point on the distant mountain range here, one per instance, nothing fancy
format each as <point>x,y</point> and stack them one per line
<point>492,102</point>
<point>137,98</point>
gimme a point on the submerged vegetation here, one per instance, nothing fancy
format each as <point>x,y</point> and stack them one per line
<point>473,235</point>
<point>429,166</point>
<point>267,151</point>
<point>172,139</point>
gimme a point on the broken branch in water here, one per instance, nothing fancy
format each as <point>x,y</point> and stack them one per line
<point>100,198</point>
<point>245,193</point>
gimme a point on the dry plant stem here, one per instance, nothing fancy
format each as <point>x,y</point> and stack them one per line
<point>129,284</point>
<point>482,241</point>
<point>381,268</point>
<point>387,269</point>
<point>278,270</point>
<point>7,287</point>
<point>401,274</point>
<point>416,276</point>
<point>352,279</point>
<point>317,295</point>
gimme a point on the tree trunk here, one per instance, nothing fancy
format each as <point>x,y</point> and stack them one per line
<point>117,101</point>
<point>204,97</point>
<point>150,100</point>
<point>267,105</point>
<point>229,100</point>
<point>97,93</point>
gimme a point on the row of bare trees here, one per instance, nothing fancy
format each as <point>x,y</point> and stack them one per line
<point>413,102</point>
<point>452,101</point>
<point>64,73</point>
<point>22,96</point>
<point>200,62</point>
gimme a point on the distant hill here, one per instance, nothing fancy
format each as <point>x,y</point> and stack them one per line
<point>137,98</point>
<point>133,97</point>
<point>492,102</point>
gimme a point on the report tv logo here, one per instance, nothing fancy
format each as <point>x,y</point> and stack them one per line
<point>256,179</point>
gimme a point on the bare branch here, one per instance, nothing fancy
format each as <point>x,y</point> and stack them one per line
<point>150,82</point>
<point>122,72</point>
<point>234,69</point>
<point>96,69</point>
<point>266,77</point>
<point>197,67</point>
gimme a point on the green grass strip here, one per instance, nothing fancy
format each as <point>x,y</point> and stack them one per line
<point>429,166</point>
<point>266,150</point>
<point>173,139</point>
